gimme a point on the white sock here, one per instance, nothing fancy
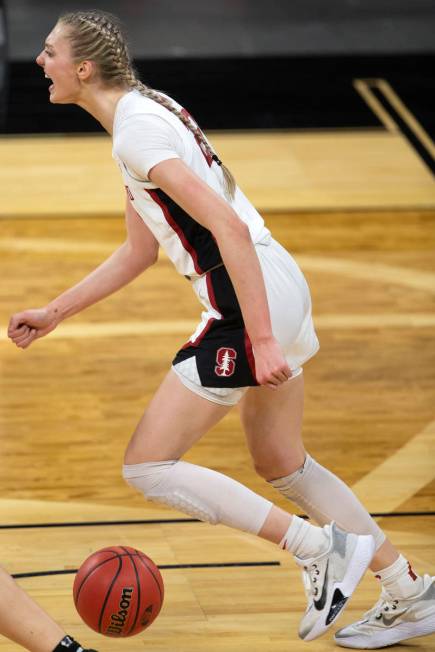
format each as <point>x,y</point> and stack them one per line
<point>325,498</point>
<point>400,580</point>
<point>304,540</point>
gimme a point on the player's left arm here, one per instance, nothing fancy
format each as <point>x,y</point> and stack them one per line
<point>137,253</point>
<point>232,235</point>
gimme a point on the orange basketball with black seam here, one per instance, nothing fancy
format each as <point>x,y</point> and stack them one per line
<point>118,591</point>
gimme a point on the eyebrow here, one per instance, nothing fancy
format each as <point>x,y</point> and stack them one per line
<point>47,45</point>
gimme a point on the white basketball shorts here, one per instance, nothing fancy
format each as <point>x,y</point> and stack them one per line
<point>218,361</point>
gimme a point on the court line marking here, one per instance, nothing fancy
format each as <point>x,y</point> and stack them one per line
<point>364,86</point>
<point>147,521</point>
<point>401,475</point>
<point>170,521</point>
<point>376,320</point>
<point>229,564</point>
<point>407,116</point>
<point>53,245</point>
<point>376,272</point>
<point>184,327</point>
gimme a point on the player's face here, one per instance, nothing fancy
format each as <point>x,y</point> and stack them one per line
<point>59,67</point>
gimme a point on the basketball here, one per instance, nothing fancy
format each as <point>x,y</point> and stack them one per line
<point>118,591</point>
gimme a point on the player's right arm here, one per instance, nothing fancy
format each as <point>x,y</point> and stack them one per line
<point>137,253</point>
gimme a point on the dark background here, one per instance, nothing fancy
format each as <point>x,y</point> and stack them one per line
<point>242,64</point>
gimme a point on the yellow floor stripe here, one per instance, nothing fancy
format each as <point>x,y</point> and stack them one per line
<point>368,271</point>
<point>411,320</point>
<point>53,245</point>
<point>111,329</point>
<point>118,329</point>
<point>187,326</point>
<point>13,510</point>
<point>401,476</point>
<point>376,320</point>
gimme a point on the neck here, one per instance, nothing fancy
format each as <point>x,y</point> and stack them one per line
<point>101,104</point>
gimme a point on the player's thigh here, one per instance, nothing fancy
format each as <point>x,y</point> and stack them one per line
<point>272,420</point>
<point>173,421</point>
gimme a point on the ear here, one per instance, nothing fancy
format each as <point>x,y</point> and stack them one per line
<point>85,70</point>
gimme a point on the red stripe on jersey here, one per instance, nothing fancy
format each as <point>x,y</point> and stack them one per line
<point>173,224</point>
<point>201,335</point>
<point>250,354</point>
<point>210,291</point>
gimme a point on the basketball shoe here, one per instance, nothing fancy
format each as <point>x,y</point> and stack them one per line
<point>331,578</point>
<point>68,644</point>
<point>391,621</point>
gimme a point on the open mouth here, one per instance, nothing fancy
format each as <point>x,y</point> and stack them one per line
<point>51,86</point>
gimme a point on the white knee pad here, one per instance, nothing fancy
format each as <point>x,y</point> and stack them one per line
<point>158,481</point>
<point>200,492</point>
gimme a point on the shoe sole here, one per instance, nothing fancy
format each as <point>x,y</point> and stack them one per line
<point>391,636</point>
<point>361,558</point>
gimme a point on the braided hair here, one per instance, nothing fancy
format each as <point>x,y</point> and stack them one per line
<point>97,35</point>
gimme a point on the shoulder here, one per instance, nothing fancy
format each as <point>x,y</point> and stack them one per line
<point>137,109</point>
<point>145,133</point>
<point>140,117</point>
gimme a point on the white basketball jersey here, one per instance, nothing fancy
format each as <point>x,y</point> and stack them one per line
<point>146,133</point>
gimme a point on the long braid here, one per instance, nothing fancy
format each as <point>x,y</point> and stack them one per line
<point>97,35</point>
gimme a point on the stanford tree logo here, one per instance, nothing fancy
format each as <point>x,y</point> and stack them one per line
<point>225,362</point>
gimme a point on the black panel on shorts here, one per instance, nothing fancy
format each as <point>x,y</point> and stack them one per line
<point>223,354</point>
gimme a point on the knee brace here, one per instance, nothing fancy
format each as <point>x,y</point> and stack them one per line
<point>158,482</point>
<point>200,492</point>
<point>325,498</point>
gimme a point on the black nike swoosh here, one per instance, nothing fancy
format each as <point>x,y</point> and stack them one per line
<point>319,604</point>
<point>337,605</point>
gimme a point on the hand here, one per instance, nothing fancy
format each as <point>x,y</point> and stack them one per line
<point>29,325</point>
<point>271,368</point>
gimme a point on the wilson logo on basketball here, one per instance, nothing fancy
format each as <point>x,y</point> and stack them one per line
<point>225,362</point>
<point>117,621</point>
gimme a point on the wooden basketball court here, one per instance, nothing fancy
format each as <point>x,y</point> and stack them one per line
<point>357,209</point>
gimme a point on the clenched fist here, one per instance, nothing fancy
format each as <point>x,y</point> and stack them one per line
<point>29,325</point>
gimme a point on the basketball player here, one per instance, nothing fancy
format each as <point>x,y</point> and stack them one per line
<point>23,621</point>
<point>255,334</point>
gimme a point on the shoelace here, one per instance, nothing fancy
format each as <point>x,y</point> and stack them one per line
<point>386,605</point>
<point>310,577</point>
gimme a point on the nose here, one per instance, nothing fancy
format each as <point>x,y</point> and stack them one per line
<point>40,59</point>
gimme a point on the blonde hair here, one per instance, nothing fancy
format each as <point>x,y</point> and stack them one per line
<point>97,35</point>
